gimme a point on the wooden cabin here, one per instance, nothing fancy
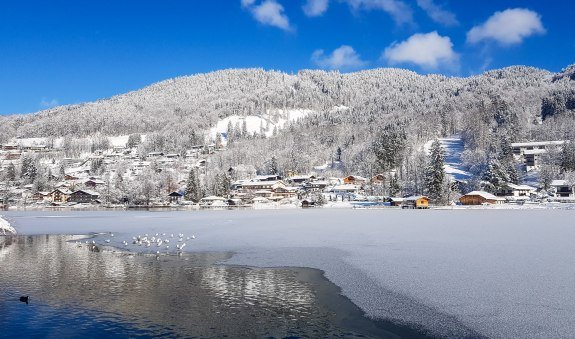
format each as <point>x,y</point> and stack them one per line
<point>416,201</point>
<point>378,179</point>
<point>60,195</point>
<point>84,196</point>
<point>480,198</point>
<point>354,179</point>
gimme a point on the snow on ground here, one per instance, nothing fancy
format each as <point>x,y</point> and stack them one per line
<point>115,141</point>
<point>453,147</point>
<point>5,227</point>
<point>119,141</point>
<point>498,273</point>
<point>31,142</point>
<point>531,178</point>
<point>272,118</point>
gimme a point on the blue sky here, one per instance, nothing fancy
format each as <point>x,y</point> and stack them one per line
<point>63,52</point>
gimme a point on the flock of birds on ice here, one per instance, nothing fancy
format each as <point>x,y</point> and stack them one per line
<point>159,241</point>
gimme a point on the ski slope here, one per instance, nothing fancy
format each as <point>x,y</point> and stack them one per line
<point>453,147</point>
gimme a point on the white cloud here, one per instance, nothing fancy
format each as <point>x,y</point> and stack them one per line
<point>438,14</point>
<point>48,103</point>
<point>399,11</point>
<point>269,12</point>
<point>315,7</point>
<point>428,51</point>
<point>508,27</point>
<point>247,3</point>
<point>344,57</point>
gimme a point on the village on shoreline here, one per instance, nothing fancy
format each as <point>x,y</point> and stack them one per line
<point>81,182</point>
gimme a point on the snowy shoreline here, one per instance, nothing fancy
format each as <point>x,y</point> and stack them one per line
<point>5,227</point>
<point>461,272</point>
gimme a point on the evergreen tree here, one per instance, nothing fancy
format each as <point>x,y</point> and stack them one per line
<point>244,130</point>
<point>10,173</point>
<point>434,173</point>
<point>319,199</point>
<point>230,133</point>
<point>568,156</point>
<point>218,140</point>
<point>394,187</point>
<point>62,171</point>
<point>134,140</point>
<point>29,169</point>
<point>388,147</point>
<point>95,166</point>
<point>118,179</point>
<point>273,166</point>
<point>193,189</point>
<point>495,176</point>
<point>221,185</point>
<point>225,185</point>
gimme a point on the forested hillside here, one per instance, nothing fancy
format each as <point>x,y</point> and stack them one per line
<point>364,122</point>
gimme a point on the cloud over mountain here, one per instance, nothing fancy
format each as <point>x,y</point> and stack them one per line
<point>508,27</point>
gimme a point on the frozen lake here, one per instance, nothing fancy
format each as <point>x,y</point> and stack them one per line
<point>498,273</point>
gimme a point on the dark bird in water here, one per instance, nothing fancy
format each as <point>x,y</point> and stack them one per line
<point>24,299</point>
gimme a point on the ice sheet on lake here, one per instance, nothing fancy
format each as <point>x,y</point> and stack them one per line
<point>5,227</point>
<point>498,273</point>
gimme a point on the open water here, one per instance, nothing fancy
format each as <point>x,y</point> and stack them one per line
<point>77,290</point>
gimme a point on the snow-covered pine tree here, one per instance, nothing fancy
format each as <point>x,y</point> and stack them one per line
<point>29,169</point>
<point>10,173</point>
<point>244,129</point>
<point>230,133</point>
<point>218,140</point>
<point>568,156</point>
<point>134,140</point>
<point>394,188</point>
<point>494,176</point>
<point>389,146</point>
<point>221,185</point>
<point>273,166</point>
<point>435,174</point>
<point>193,189</point>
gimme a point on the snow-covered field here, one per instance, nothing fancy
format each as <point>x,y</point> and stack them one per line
<point>277,118</point>
<point>498,273</point>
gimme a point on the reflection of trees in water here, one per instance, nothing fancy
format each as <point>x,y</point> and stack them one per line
<point>5,242</point>
<point>272,287</point>
<point>183,293</point>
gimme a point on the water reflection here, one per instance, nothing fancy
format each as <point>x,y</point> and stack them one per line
<point>174,296</point>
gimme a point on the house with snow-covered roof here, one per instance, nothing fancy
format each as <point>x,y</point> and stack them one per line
<point>60,195</point>
<point>520,147</point>
<point>532,151</point>
<point>93,182</point>
<point>515,191</point>
<point>415,201</point>
<point>261,185</point>
<point>562,189</point>
<point>354,179</point>
<point>83,196</point>
<point>480,198</point>
<point>268,177</point>
<point>344,189</point>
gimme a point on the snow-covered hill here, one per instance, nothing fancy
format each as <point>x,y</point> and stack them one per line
<point>262,125</point>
